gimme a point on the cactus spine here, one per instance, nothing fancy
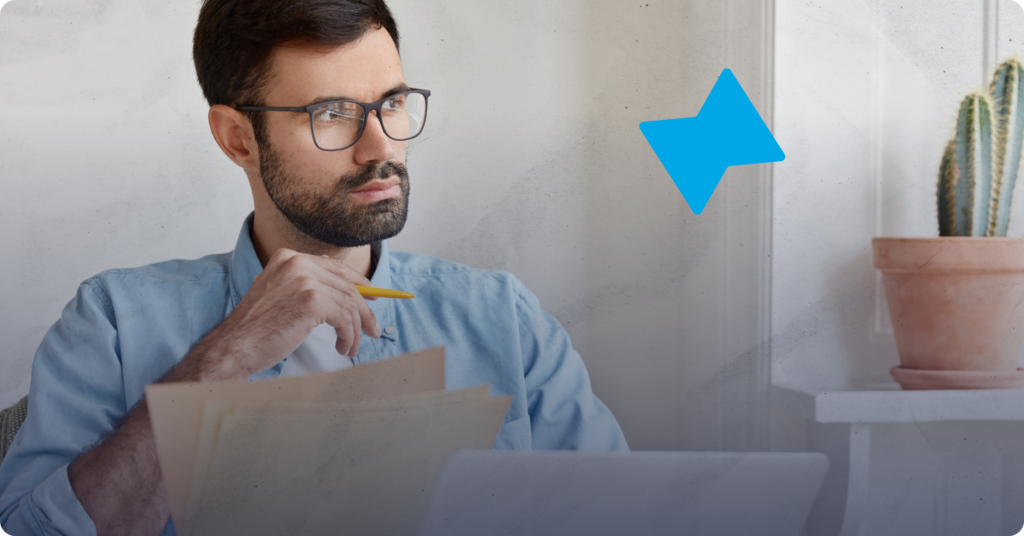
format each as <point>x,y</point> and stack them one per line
<point>948,177</point>
<point>973,189</point>
<point>980,164</point>
<point>1008,93</point>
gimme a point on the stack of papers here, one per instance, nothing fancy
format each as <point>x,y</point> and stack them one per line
<point>355,451</point>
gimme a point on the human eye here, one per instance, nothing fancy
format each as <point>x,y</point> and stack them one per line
<point>395,102</point>
<point>338,112</point>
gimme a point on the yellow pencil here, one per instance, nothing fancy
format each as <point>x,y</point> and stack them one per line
<point>377,292</point>
<point>383,292</point>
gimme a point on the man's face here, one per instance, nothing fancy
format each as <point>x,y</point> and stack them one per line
<point>345,198</point>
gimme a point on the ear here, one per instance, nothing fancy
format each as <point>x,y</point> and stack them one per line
<point>234,135</point>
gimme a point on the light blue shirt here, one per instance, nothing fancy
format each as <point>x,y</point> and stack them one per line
<point>127,328</point>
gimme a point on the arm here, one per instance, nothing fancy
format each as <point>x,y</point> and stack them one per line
<point>123,475</point>
<point>116,487</point>
<point>119,482</point>
<point>64,417</point>
<point>564,412</point>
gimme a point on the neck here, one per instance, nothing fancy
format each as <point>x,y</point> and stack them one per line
<point>271,231</point>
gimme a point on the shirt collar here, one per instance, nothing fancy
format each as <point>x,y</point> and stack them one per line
<point>382,274</point>
<point>383,308</point>
<point>245,266</point>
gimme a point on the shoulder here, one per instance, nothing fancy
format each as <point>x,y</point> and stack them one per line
<point>428,269</point>
<point>445,284</point>
<point>176,274</point>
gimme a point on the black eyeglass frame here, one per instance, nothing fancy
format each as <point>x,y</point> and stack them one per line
<point>367,107</point>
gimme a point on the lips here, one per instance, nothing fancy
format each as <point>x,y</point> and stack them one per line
<point>377,190</point>
<point>378,185</point>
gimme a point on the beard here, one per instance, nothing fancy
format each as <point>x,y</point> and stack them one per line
<point>331,217</point>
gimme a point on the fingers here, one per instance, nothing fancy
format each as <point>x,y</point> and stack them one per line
<point>360,314</point>
<point>348,338</point>
<point>342,270</point>
<point>341,305</point>
<point>350,318</point>
<point>349,314</point>
<point>292,261</point>
<point>295,293</point>
<point>367,320</point>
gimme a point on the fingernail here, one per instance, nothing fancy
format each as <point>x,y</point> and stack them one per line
<point>379,331</point>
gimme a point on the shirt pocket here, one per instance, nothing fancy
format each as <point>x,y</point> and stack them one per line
<point>515,435</point>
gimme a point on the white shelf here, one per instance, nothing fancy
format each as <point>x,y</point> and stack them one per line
<point>852,410</point>
<point>887,403</point>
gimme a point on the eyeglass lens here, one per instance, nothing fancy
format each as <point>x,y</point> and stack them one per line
<point>336,125</point>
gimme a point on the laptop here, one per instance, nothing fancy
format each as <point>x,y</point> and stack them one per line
<point>491,493</point>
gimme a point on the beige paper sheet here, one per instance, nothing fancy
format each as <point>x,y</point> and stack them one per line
<point>390,403</point>
<point>176,409</point>
<point>337,473</point>
<point>209,427</point>
<point>214,410</point>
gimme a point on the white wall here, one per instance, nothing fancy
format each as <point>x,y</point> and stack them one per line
<point>532,162</point>
<point>866,97</point>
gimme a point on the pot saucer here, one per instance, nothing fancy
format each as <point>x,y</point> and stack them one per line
<point>914,379</point>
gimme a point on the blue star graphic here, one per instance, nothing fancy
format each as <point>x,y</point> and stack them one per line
<point>727,131</point>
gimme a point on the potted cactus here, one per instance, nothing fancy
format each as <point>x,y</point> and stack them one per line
<point>957,300</point>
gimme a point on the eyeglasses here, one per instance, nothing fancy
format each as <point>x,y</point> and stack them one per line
<point>337,125</point>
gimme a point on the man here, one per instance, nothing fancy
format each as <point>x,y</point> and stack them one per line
<point>308,97</point>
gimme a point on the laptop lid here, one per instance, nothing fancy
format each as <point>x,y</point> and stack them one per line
<point>485,492</point>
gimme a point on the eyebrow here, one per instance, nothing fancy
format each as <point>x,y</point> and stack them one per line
<point>397,89</point>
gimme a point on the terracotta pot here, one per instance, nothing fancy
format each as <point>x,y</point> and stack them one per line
<point>957,304</point>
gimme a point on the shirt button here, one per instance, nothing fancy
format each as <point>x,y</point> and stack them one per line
<point>390,330</point>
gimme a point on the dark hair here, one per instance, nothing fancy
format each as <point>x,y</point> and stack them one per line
<point>233,39</point>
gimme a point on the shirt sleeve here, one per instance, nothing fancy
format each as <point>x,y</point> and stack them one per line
<point>76,398</point>
<point>564,412</point>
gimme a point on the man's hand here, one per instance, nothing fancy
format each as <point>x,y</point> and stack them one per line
<point>119,483</point>
<point>295,293</point>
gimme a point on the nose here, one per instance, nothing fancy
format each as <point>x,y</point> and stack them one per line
<point>374,146</point>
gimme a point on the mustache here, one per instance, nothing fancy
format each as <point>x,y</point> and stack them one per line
<point>352,181</point>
